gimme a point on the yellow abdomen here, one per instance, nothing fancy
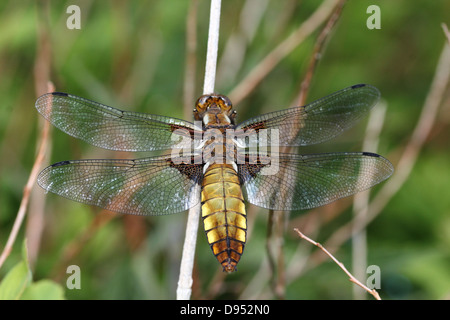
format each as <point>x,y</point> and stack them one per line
<point>223,214</point>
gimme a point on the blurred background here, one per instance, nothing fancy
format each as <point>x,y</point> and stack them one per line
<point>149,56</point>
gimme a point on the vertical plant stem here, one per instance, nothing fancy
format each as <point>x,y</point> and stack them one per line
<point>213,44</point>
<point>361,202</point>
<point>185,281</point>
<point>42,85</point>
<point>191,60</point>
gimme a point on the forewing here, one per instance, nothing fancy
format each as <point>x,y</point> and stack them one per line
<point>314,123</point>
<point>150,186</point>
<point>111,128</point>
<point>309,181</point>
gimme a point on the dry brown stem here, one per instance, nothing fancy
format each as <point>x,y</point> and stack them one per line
<point>317,52</point>
<point>26,193</point>
<point>276,220</point>
<point>191,60</point>
<point>260,71</point>
<point>373,292</point>
<point>42,85</point>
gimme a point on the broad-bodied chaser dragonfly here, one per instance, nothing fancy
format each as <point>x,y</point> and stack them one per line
<point>213,161</point>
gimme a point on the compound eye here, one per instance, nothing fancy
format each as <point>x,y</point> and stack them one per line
<point>226,101</point>
<point>203,99</point>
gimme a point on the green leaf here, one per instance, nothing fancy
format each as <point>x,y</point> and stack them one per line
<point>15,282</point>
<point>43,290</point>
<point>17,279</point>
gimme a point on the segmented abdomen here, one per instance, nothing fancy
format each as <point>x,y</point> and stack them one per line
<point>223,214</point>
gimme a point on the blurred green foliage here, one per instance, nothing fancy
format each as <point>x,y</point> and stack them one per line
<point>17,283</point>
<point>132,55</point>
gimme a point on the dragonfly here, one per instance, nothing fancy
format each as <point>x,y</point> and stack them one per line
<point>213,161</point>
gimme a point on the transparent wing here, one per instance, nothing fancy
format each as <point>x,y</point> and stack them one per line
<point>307,181</point>
<point>111,128</point>
<point>150,186</point>
<point>316,122</point>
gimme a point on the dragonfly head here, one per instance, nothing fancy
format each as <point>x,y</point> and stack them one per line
<point>214,109</point>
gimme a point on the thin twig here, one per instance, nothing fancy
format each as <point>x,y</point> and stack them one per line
<point>213,45</point>
<point>42,66</point>
<point>373,292</point>
<point>276,219</point>
<point>275,254</point>
<point>185,281</point>
<point>191,60</point>
<point>26,193</point>
<point>42,85</point>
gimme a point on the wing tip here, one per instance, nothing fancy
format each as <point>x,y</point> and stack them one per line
<point>371,154</point>
<point>61,163</point>
<point>62,94</point>
<point>42,103</point>
<point>49,94</point>
<point>389,167</point>
<point>368,86</point>
<point>360,85</point>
